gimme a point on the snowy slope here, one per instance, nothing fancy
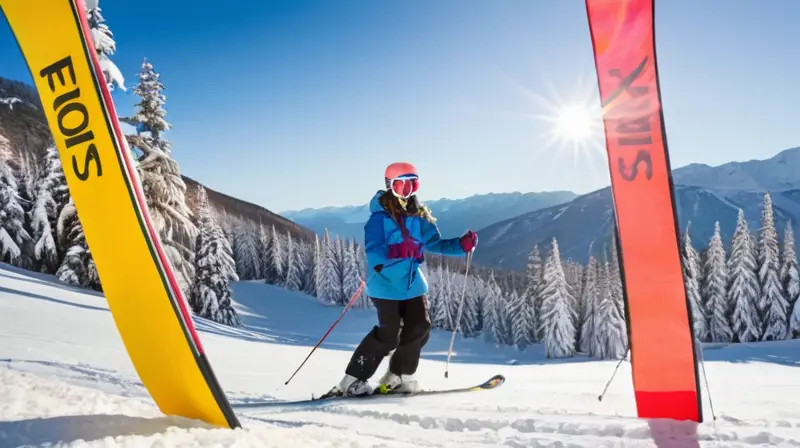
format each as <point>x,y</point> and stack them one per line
<point>64,376</point>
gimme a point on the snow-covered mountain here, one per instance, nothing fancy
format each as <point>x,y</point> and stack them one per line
<point>66,380</point>
<point>780,172</point>
<point>455,215</point>
<point>586,221</point>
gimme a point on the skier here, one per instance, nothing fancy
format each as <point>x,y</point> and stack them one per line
<point>398,230</point>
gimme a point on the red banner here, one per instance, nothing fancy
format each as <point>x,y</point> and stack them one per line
<point>665,378</point>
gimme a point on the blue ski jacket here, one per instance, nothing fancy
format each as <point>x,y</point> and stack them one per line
<point>398,247</point>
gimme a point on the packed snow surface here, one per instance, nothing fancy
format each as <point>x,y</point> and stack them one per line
<point>66,380</point>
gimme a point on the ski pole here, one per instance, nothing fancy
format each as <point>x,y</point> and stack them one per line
<point>458,318</point>
<point>349,304</point>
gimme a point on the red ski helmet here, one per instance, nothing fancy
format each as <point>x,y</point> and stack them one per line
<point>402,178</point>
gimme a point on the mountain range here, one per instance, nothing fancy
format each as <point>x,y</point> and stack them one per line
<point>582,223</point>
<point>455,216</point>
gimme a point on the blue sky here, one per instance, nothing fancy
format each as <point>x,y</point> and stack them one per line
<point>296,103</point>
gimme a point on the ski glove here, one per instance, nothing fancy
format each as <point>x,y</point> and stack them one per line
<point>378,268</point>
<point>469,241</point>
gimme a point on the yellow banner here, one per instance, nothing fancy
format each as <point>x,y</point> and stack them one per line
<point>137,279</point>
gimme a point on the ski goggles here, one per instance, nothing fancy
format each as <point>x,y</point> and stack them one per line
<point>404,186</point>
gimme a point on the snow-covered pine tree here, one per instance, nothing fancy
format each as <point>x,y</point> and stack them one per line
<point>210,294</point>
<point>573,272</point>
<point>312,267</point>
<point>276,270</point>
<point>533,273</point>
<point>610,341</point>
<point>351,277</point>
<point>246,250</point>
<point>77,268</point>
<point>445,316</point>
<point>504,316</point>
<point>522,319</point>
<point>27,174</point>
<point>743,289</point>
<point>264,241</point>
<point>292,259</point>
<point>363,301</point>
<point>790,279</point>
<point>589,300</point>
<point>772,305</point>
<point>470,315</point>
<point>615,281</point>
<point>617,291</point>
<point>691,268</point>
<point>44,213</point>
<point>13,235</point>
<point>329,286</point>
<point>164,189</point>
<point>558,325</point>
<point>492,325</point>
<point>714,290</point>
<point>104,45</point>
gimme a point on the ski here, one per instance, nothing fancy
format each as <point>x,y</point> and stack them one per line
<point>492,383</point>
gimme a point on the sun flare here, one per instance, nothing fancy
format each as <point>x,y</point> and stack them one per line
<point>574,123</point>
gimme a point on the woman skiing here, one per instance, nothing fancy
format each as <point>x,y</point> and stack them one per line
<point>398,230</point>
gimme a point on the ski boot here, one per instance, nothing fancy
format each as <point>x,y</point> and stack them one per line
<point>392,383</point>
<point>349,386</point>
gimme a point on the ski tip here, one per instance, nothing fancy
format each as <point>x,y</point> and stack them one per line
<point>493,382</point>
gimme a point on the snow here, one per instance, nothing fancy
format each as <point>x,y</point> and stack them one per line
<point>10,101</point>
<point>65,377</point>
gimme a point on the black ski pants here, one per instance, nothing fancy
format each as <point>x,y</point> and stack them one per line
<point>403,326</point>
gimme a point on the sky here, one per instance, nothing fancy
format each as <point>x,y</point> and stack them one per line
<point>297,103</point>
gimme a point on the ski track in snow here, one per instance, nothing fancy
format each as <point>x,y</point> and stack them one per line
<point>65,380</point>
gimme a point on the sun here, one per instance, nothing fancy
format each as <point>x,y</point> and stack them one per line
<point>574,123</point>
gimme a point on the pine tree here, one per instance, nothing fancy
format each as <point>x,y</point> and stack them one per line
<point>772,304</point>
<point>522,318</point>
<point>589,300</point>
<point>13,235</point>
<point>264,240</point>
<point>533,274</point>
<point>715,280</point>
<point>790,279</point>
<point>691,278</point>
<point>210,294</point>
<point>492,326</point>
<point>743,289</point>
<point>615,279</point>
<point>164,189</point>
<point>246,250</point>
<point>312,267</point>
<point>445,316</point>
<point>27,174</point>
<point>104,45</point>
<point>351,279</point>
<point>329,286</point>
<point>557,315</point>
<point>293,258</point>
<point>275,261</point>
<point>77,267</point>
<point>611,335</point>
<point>470,315</point>
<point>50,189</point>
